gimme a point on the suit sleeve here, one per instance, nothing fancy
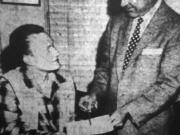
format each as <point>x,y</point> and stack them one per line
<point>163,92</point>
<point>101,73</point>
<point>9,112</point>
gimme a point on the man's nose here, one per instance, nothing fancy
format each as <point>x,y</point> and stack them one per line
<point>54,51</point>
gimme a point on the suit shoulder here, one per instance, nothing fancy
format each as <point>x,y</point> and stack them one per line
<point>171,22</point>
<point>173,15</point>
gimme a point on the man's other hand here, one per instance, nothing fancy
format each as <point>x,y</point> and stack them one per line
<point>116,119</point>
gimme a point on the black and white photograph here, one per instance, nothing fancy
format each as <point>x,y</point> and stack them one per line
<point>89,67</point>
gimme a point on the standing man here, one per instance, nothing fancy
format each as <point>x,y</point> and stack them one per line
<point>138,68</point>
<point>28,88</point>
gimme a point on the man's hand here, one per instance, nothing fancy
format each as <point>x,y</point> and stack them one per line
<point>88,103</point>
<point>116,119</point>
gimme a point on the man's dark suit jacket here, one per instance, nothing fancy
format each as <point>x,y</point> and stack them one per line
<point>149,85</point>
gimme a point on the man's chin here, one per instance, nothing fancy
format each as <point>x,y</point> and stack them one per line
<point>50,68</point>
<point>55,66</point>
<point>132,14</point>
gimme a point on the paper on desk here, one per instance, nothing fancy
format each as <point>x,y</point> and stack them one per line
<point>98,125</point>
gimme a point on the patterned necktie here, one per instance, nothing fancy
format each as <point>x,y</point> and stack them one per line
<point>132,43</point>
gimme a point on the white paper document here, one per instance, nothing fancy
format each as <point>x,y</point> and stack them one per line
<point>98,125</point>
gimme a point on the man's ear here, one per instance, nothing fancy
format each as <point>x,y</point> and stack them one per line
<point>29,60</point>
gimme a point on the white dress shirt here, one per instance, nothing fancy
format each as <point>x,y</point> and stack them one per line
<point>147,18</point>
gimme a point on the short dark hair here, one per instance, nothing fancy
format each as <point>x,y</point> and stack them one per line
<point>12,55</point>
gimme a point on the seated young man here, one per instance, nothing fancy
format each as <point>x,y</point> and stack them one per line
<point>28,88</point>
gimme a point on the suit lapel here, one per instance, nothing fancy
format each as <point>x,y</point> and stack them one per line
<point>121,44</point>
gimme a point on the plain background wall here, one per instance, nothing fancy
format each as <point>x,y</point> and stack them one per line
<point>12,16</point>
<point>76,26</point>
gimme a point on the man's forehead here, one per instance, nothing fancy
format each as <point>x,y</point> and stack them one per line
<point>38,41</point>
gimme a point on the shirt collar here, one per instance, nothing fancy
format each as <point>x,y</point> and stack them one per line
<point>42,81</point>
<point>152,11</point>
